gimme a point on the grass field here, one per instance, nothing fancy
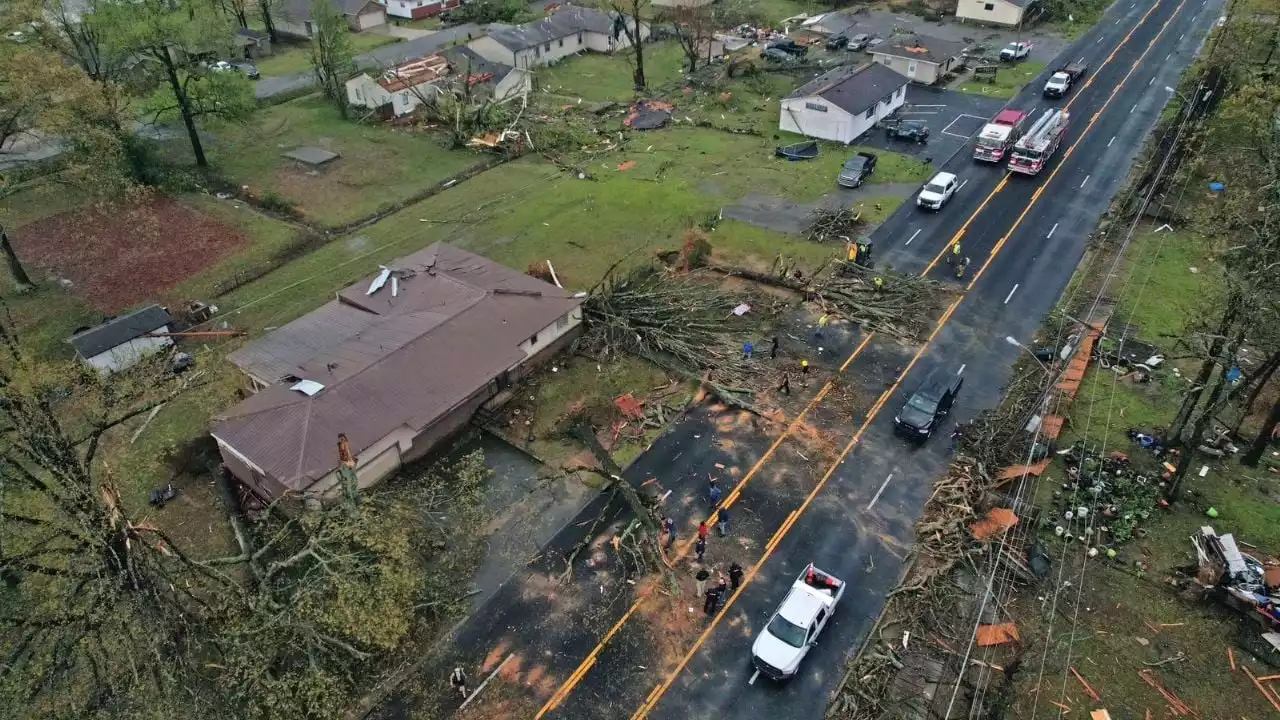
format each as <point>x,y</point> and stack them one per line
<point>379,165</point>
<point>1008,81</point>
<point>295,57</point>
<point>595,77</point>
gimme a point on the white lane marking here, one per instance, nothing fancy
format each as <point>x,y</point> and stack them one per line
<point>1150,81</point>
<point>961,370</point>
<point>1052,230</point>
<point>1086,180</point>
<point>1009,297</point>
<point>883,485</point>
<point>1081,60</point>
<point>754,675</point>
<point>928,106</point>
<point>966,182</point>
<point>1118,20</point>
<point>1135,107</point>
<point>1099,40</point>
<point>1113,139</point>
<point>913,236</point>
<point>1182,36</point>
<point>1166,57</point>
<point>476,692</point>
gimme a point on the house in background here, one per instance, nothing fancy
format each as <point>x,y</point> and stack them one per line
<point>567,31</point>
<point>418,9</point>
<point>843,103</point>
<point>1010,13</point>
<point>294,16</point>
<point>396,363</point>
<point>123,341</point>
<point>680,3</point>
<point>252,44</point>
<point>401,89</point>
<point>920,58</point>
<point>832,23</point>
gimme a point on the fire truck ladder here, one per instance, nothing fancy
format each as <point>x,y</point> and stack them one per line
<point>1044,128</point>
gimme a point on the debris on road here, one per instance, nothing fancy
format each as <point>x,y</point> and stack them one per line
<point>1001,634</point>
<point>649,115</point>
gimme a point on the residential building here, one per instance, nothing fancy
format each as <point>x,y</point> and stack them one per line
<point>844,103</point>
<point>123,341</point>
<point>401,89</point>
<point>832,23</point>
<point>418,9</point>
<point>252,44</point>
<point>294,16</point>
<point>920,58</point>
<point>396,363</point>
<point>1009,13</point>
<point>567,31</point>
<point>680,3</point>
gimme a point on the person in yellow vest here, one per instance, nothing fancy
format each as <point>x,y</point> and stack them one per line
<point>879,282</point>
<point>823,322</point>
<point>955,253</point>
<point>804,373</point>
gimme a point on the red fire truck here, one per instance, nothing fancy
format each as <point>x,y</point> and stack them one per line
<point>1034,149</point>
<point>999,135</point>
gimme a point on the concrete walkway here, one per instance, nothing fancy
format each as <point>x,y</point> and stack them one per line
<point>406,33</point>
<point>384,56</point>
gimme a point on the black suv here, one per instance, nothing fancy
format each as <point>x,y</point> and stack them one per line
<point>835,42</point>
<point>856,170</point>
<point>791,47</point>
<point>910,130</point>
<point>929,405</point>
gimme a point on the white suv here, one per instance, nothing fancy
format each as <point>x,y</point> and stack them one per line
<point>937,191</point>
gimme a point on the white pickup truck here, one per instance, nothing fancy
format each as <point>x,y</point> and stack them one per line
<point>796,624</point>
<point>1015,51</point>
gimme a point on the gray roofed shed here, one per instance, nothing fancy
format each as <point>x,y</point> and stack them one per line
<point>561,23</point>
<point>119,330</point>
<point>924,48</point>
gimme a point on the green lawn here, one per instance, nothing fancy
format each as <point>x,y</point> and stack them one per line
<point>379,164</point>
<point>295,57</point>
<point>1008,81</point>
<point>595,76</point>
<point>430,23</point>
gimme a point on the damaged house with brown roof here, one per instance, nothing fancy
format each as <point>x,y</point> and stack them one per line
<point>400,90</point>
<point>397,363</point>
<point>920,58</point>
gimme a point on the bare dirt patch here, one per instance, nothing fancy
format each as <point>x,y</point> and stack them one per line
<point>118,256</point>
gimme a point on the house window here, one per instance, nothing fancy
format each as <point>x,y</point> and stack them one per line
<point>989,7</point>
<point>537,51</point>
<point>561,42</point>
<point>871,113</point>
<point>815,106</point>
<point>547,47</point>
<point>562,323</point>
<point>579,38</point>
<point>404,98</point>
<point>533,340</point>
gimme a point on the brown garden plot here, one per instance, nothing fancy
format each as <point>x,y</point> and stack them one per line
<point>117,257</point>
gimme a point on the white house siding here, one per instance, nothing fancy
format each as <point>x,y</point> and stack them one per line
<point>549,334</point>
<point>288,27</point>
<point>493,51</point>
<point>605,43</point>
<point>801,115</point>
<point>996,12</point>
<point>363,91</point>
<point>552,51</point>
<point>515,84</point>
<point>926,73</point>
<point>124,356</point>
<point>418,9</point>
<point>371,17</point>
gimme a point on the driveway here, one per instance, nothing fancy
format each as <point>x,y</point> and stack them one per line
<point>953,119</point>
<point>883,24</point>
<point>384,56</point>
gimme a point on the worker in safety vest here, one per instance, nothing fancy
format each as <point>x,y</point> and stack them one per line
<point>879,282</point>
<point>955,253</point>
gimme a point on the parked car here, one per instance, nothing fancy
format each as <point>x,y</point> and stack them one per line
<point>858,42</point>
<point>872,43</point>
<point>835,42</point>
<point>929,405</point>
<point>910,130</point>
<point>856,170</point>
<point>794,627</point>
<point>779,56</point>
<point>1015,51</point>
<point>788,46</point>
<point>938,191</point>
<point>248,69</point>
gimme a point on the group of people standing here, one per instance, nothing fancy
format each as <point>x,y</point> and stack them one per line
<point>715,596</point>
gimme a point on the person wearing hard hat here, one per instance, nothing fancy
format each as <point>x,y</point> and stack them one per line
<point>955,253</point>
<point>879,282</point>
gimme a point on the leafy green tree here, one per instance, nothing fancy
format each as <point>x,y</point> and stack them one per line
<point>172,37</point>
<point>332,57</point>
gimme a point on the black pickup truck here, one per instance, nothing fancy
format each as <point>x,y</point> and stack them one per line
<point>1064,78</point>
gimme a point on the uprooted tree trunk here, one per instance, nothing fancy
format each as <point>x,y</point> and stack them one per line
<point>1230,317</point>
<point>1264,437</point>
<point>1256,386</point>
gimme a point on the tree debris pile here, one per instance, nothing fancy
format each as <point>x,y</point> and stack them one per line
<point>901,305</point>
<point>833,224</point>
<point>679,322</point>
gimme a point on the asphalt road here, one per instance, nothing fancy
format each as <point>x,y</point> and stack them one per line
<point>841,490</point>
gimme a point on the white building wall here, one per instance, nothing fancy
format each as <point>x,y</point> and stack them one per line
<point>516,84</point>
<point>551,333</point>
<point>372,17</point>
<point>801,115</point>
<point>926,73</point>
<point>363,91</point>
<point>289,27</point>
<point>124,356</point>
<point>996,12</point>
<point>493,51</point>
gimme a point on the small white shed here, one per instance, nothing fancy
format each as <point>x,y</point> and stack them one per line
<point>843,103</point>
<point>121,342</point>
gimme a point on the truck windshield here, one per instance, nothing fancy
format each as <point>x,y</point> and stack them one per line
<point>935,188</point>
<point>787,631</point>
<point>1027,155</point>
<point>990,142</point>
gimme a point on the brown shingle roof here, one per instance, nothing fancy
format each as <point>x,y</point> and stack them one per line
<point>455,325</point>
